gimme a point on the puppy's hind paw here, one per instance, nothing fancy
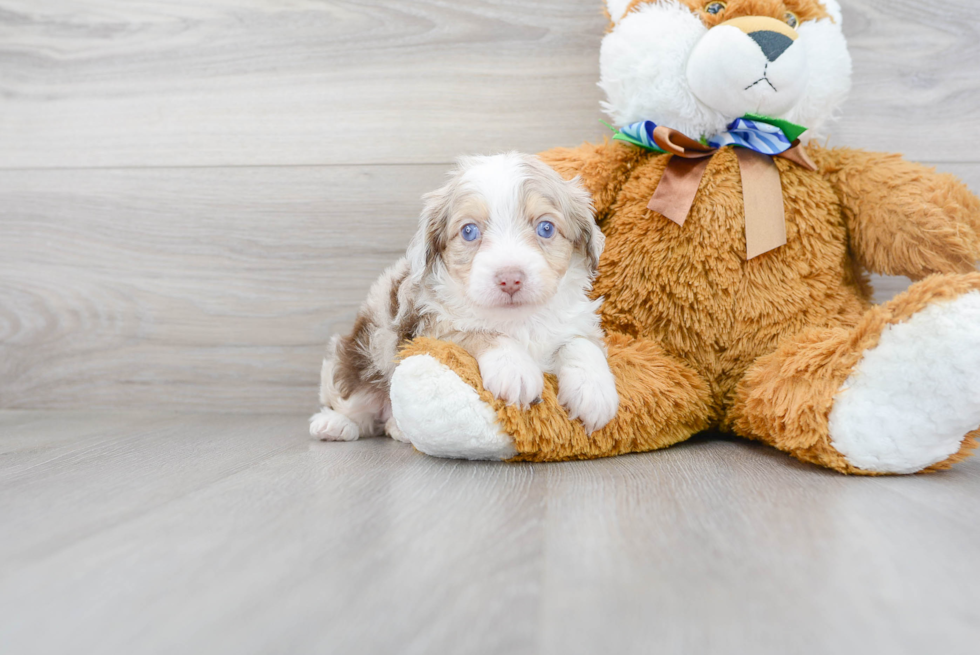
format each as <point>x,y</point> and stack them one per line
<point>329,425</point>
<point>393,431</point>
<point>589,396</point>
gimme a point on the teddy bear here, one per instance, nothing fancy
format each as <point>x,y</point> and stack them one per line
<point>735,277</point>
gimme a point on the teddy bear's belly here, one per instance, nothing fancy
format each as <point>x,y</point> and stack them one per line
<point>691,288</point>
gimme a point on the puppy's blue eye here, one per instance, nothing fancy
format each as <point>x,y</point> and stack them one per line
<point>546,229</point>
<point>470,232</point>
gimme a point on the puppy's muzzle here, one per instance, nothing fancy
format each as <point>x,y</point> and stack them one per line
<point>509,280</point>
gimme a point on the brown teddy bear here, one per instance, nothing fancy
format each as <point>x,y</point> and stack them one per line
<point>735,270</point>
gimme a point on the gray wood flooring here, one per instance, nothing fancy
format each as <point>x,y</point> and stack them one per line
<point>140,533</point>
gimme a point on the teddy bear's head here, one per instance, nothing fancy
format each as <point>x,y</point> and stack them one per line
<point>697,65</point>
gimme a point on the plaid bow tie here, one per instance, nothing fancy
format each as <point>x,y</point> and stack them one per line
<point>757,139</point>
<point>767,136</point>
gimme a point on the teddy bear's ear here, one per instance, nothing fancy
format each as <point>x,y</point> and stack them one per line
<point>833,8</point>
<point>617,9</point>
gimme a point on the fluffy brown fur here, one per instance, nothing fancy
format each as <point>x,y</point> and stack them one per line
<point>661,402</point>
<point>785,397</point>
<point>699,337</point>
<point>804,9</point>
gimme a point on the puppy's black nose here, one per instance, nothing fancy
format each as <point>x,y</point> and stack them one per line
<point>773,44</point>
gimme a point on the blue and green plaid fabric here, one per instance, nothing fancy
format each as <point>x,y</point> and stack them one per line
<point>744,132</point>
<point>641,134</point>
<point>761,137</point>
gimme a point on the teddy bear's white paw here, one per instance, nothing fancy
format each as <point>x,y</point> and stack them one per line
<point>443,416</point>
<point>512,376</point>
<point>911,400</point>
<point>588,395</point>
<point>329,425</point>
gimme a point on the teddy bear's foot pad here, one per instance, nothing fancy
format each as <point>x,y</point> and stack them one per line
<point>913,398</point>
<point>442,415</point>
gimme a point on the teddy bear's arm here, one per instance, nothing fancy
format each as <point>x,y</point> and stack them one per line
<point>602,167</point>
<point>903,218</point>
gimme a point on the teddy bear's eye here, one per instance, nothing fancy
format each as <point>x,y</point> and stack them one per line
<point>791,19</point>
<point>715,8</point>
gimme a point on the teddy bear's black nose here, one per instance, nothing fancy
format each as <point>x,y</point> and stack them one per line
<point>773,44</point>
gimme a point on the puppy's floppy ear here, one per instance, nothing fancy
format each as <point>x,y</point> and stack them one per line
<point>577,207</point>
<point>430,239</point>
<point>575,203</point>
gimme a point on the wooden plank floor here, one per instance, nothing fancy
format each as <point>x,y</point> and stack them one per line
<point>137,533</point>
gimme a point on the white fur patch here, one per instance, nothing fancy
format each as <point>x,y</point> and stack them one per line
<point>617,8</point>
<point>499,182</point>
<point>829,65</point>
<point>833,8</point>
<point>913,398</point>
<point>643,70</point>
<point>442,415</point>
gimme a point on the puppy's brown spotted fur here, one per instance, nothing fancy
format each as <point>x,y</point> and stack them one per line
<point>379,331</point>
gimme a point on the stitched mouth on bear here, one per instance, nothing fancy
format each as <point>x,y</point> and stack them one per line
<point>764,78</point>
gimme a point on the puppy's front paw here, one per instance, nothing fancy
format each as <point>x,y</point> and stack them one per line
<point>512,376</point>
<point>588,395</point>
<point>329,425</point>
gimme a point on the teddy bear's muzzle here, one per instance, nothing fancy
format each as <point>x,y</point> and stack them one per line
<point>772,36</point>
<point>750,64</point>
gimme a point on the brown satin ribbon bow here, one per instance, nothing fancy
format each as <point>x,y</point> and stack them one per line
<point>765,218</point>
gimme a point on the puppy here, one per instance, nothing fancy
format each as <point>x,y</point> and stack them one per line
<point>502,264</point>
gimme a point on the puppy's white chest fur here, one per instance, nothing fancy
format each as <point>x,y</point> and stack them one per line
<point>541,331</point>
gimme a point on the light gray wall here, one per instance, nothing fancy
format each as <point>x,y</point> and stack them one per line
<point>195,193</point>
